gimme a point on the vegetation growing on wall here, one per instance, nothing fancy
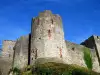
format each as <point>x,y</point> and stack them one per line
<point>87,57</point>
<point>28,70</point>
<point>57,69</point>
<point>62,69</point>
<point>16,71</point>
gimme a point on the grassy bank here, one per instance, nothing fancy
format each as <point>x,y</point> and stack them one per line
<point>57,69</point>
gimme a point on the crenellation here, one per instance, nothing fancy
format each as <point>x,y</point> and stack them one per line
<point>46,13</point>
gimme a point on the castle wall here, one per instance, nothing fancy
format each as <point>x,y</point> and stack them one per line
<point>5,66</point>
<point>21,52</point>
<point>97,46</point>
<point>7,49</point>
<point>48,38</point>
<point>76,53</point>
<point>95,62</point>
<point>93,43</point>
<point>6,57</point>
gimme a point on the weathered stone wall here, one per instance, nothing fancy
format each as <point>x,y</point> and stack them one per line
<point>97,47</point>
<point>5,66</point>
<point>6,57</point>
<point>76,53</point>
<point>95,62</point>
<point>48,38</point>
<point>94,43</point>
<point>21,52</point>
<point>7,49</point>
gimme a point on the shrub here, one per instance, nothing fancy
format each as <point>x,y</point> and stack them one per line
<point>63,69</point>
<point>16,71</point>
<point>52,68</point>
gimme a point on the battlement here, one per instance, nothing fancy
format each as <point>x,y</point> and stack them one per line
<point>7,48</point>
<point>9,40</point>
<point>46,17</point>
<point>45,13</point>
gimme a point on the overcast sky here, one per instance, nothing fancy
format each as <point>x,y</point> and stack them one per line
<point>81,18</point>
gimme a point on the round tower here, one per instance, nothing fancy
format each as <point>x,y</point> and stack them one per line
<point>47,39</point>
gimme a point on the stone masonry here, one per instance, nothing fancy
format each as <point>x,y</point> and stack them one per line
<point>7,49</point>
<point>46,31</point>
<point>93,42</point>
<point>6,58</point>
<point>21,52</point>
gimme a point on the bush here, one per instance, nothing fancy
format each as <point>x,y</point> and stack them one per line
<point>16,71</point>
<point>52,68</point>
<point>62,69</point>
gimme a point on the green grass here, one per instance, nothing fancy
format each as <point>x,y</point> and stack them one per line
<point>62,69</point>
<point>87,58</point>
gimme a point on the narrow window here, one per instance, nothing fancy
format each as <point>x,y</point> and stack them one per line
<point>39,38</point>
<point>98,37</point>
<point>49,33</point>
<point>38,21</point>
<point>35,53</point>
<point>73,48</point>
<point>60,53</point>
<point>52,21</point>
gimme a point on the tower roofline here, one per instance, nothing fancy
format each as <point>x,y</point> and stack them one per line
<point>10,40</point>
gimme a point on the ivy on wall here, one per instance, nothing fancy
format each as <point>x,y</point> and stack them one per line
<point>88,58</point>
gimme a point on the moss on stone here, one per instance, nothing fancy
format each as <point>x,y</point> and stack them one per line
<point>27,73</point>
<point>62,69</point>
<point>87,57</point>
<point>52,68</point>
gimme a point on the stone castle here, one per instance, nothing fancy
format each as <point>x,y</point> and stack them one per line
<point>46,43</point>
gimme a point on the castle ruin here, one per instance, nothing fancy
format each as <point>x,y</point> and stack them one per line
<point>46,43</point>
